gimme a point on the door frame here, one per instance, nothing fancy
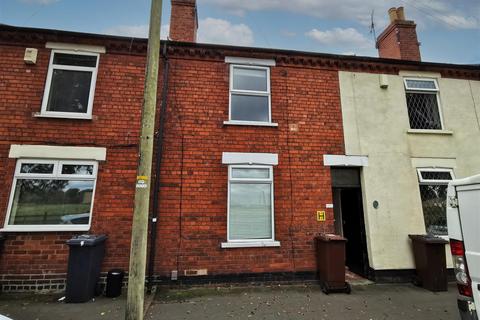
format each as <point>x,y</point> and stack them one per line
<point>338,214</point>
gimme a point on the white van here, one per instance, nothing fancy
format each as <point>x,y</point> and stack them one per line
<point>463,219</point>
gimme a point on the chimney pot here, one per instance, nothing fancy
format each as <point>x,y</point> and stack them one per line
<point>401,13</point>
<point>392,12</point>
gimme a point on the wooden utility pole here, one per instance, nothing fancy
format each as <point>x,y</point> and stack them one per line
<point>138,249</point>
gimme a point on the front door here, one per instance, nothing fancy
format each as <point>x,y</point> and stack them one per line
<point>349,219</point>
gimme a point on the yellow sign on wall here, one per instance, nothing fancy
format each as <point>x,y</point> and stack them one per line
<point>321,216</point>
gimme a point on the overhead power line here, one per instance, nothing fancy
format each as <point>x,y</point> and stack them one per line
<point>433,16</point>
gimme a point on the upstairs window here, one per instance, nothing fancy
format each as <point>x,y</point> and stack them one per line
<point>433,191</point>
<point>52,195</point>
<point>250,94</point>
<point>423,104</point>
<point>70,84</point>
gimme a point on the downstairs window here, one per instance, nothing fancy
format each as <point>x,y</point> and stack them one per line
<point>52,195</point>
<point>433,192</point>
<point>250,199</point>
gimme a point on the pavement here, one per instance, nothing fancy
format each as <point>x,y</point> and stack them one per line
<point>366,302</point>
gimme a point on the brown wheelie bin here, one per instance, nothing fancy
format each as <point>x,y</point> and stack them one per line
<point>331,263</point>
<point>430,262</point>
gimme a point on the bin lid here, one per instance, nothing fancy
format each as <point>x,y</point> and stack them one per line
<point>116,272</point>
<point>427,238</point>
<point>330,237</point>
<point>87,240</point>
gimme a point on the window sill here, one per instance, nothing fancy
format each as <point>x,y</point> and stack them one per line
<point>250,244</point>
<point>250,123</point>
<point>40,228</point>
<point>446,238</point>
<point>426,131</point>
<point>62,116</point>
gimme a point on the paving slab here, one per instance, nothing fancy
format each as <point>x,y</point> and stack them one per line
<point>47,307</point>
<point>367,302</point>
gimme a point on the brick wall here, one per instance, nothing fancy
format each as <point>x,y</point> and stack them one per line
<point>193,198</point>
<point>40,259</point>
<point>193,195</point>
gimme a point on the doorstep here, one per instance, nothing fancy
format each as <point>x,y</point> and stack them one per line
<point>355,279</point>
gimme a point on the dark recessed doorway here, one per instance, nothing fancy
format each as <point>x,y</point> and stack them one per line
<point>349,218</point>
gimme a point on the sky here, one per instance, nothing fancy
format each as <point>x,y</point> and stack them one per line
<point>449,30</point>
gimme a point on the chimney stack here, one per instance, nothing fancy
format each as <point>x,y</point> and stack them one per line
<point>399,39</point>
<point>183,21</point>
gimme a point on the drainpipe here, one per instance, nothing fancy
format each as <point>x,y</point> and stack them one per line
<point>3,237</point>
<point>158,161</point>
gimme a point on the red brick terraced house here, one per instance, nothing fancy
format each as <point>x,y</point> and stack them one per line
<point>252,144</point>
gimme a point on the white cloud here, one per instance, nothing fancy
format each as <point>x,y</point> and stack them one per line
<point>220,31</point>
<point>458,22</point>
<point>165,31</point>
<point>287,33</point>
<point>325,9</point>
<point>348,37</point>
<point>137,31</point>
<point>443,11</point>
<point>41,2</point>
<point>210,30</point>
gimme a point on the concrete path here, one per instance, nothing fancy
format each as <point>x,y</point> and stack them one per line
<point>372,302</point>
<point>46,307</point>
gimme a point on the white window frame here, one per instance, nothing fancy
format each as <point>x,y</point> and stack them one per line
<point>261,242</point>
<point>423,181</point>
<point>249,93</point>
<point>428,91</point>
<point>56,174</point>
<point>420,79</point>
<point>72,115</point>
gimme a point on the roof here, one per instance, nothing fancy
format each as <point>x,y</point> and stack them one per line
<point>466,181</point>
<point>13,34</point>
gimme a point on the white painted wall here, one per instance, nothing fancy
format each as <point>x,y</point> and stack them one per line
<point>376,125</point>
